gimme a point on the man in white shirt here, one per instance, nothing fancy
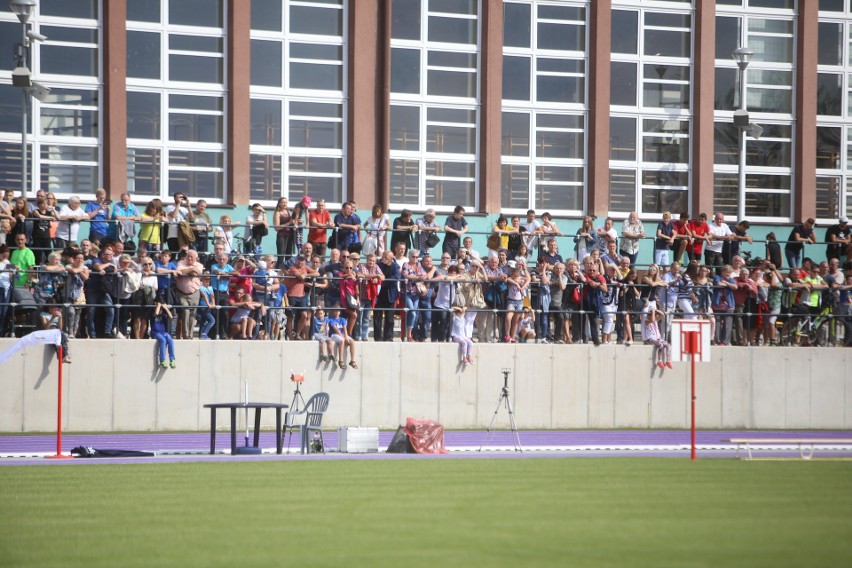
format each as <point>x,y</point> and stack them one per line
<point>69,222</point>
<point>632,233</point>
<point>719,233</point>
<point>467,244</point>
<point>426,227</point>
<point>176,213</point>
<point>606,235</point>
<point>533,228</point>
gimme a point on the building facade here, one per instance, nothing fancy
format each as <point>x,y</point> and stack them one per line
<point>576,107</point>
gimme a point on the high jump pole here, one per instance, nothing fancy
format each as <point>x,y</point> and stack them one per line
<point>693,349</point>
<point>59,411</point>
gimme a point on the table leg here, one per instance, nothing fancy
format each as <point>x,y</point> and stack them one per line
<point>256,426</point>
<point>278,445</point>
<point>212,431</point>
<point>234,430</point>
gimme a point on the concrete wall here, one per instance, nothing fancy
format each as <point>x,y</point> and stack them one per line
<point>115,385</point>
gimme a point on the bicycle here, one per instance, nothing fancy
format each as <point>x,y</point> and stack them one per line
<point>816,331</point>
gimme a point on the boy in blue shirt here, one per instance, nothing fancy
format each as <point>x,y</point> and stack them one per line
<point>204,315</point>
<point>165,269</point>
<point>337,327</point>
<point>321,334</point>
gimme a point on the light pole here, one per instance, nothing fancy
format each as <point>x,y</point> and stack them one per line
<point>22,78</point>
<point>742,55</point>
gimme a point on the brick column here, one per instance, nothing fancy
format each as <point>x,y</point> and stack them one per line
<point>239,105</point>
<point>600,25</point>
<point>804,160</point>
<point>491,101</point>
<point>366,151</point>
<point>703,103</point>
<point>114,106</point>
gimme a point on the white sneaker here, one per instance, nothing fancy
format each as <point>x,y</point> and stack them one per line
<point>120,335</point>
<point>544,342</point>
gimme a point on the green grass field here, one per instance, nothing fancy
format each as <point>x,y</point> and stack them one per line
<point>427,512</point>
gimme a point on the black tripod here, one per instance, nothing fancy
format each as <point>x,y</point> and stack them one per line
<point>290,415</point>
<point>504,400</point>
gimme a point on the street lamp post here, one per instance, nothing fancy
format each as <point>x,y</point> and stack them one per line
<point>742,55</point>
<point>21,77</point>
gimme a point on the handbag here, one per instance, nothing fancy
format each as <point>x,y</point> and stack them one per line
<point>459,300</point>
<point>575,295</point>
<point>352,302</point>
<point>432,240</point>
<point>493,241</point>
<point>332,239</point>
<point>370,245</point>
<point>421,288</point>
<point>495,294</point>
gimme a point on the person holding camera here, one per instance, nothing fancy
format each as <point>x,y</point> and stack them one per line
<point>98,212</point>
<point>257,227</point>
<point>41,241</point>
<point>175,213</point>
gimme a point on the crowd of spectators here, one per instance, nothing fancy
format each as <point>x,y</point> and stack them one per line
<point>172,270</point>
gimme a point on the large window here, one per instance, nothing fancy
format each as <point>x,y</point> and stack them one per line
<point>176,98</point>
<point>768,31</point>
<point>297,99</point>
<point>63,126</point>
<point>434,94</point>
<point>651,107</point>
<point>834,111</point>
<point>545,108</point>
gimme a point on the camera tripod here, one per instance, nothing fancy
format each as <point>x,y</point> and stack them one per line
<point>504,401</point>
<point>295,409</point>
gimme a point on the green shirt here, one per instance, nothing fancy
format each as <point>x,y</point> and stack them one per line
<point>24,260</point>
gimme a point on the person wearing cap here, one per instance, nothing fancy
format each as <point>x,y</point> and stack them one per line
<point>839,240</point>
<point>426,227</point>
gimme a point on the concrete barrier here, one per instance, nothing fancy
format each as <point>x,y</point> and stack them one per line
<point>116,385</point>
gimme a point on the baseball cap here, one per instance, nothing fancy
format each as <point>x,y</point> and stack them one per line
<point>844,219</point>
<point>261,264</point>
<point>306,201</point>
<point>301,257</point>
<point>512,263</point>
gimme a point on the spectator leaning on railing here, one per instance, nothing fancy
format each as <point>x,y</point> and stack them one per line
<point>839,240</point>
<point>800,236</point>
<point>98,212</point>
